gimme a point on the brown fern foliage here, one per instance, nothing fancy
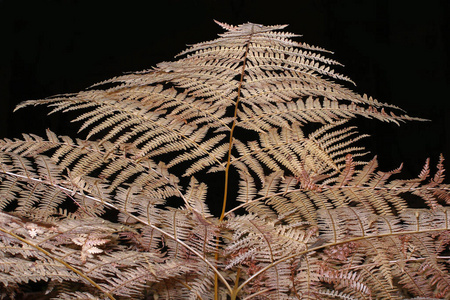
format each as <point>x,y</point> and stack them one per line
<point>126,212</point>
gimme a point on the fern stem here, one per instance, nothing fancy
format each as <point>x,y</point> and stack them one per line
<point>236,281</point>
<point>236,284</point>
<point>257,294</point>
<point>227,169</point>
<point>230,147</point>
<point>81,274</point>
<point>188,287</point>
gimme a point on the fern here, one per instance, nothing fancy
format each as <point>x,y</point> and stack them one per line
<point>126,213</point>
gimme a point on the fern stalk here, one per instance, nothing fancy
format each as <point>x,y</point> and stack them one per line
<point>227,169</point>
<point>236,108</point>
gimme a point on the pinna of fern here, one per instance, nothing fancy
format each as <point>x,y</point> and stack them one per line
<point>126,211</point>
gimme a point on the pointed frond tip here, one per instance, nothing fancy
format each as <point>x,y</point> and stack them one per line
<point>250,26</point>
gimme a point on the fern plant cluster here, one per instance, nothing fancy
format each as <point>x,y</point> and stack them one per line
<point>263,121</point>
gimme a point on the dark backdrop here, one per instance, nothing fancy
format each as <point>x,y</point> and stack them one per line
<point>396,51</point>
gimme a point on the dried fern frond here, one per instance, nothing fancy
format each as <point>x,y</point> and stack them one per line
<point>174,107</point>
<point>262,122</point>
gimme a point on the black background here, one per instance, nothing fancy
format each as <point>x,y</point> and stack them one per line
<point>395,51</point>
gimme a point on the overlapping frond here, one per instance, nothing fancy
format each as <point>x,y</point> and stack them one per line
<point>257,244</point>
<point>297,199</point>
<point>385,251</point>
<point>42,174</point>
<point>322,153</point>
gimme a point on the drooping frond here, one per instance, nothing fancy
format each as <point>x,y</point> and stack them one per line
<point>297,199</point>
<point>71,173</point>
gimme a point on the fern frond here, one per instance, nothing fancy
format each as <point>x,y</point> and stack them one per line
<point>122,215</point>
<point>174,107</point>
<point>290,150</point>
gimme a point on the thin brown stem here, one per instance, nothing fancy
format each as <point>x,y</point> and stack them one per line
<point>227,169</point>
<point>230,147</point>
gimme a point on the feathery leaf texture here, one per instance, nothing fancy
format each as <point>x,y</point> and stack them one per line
<point>127,212</point>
